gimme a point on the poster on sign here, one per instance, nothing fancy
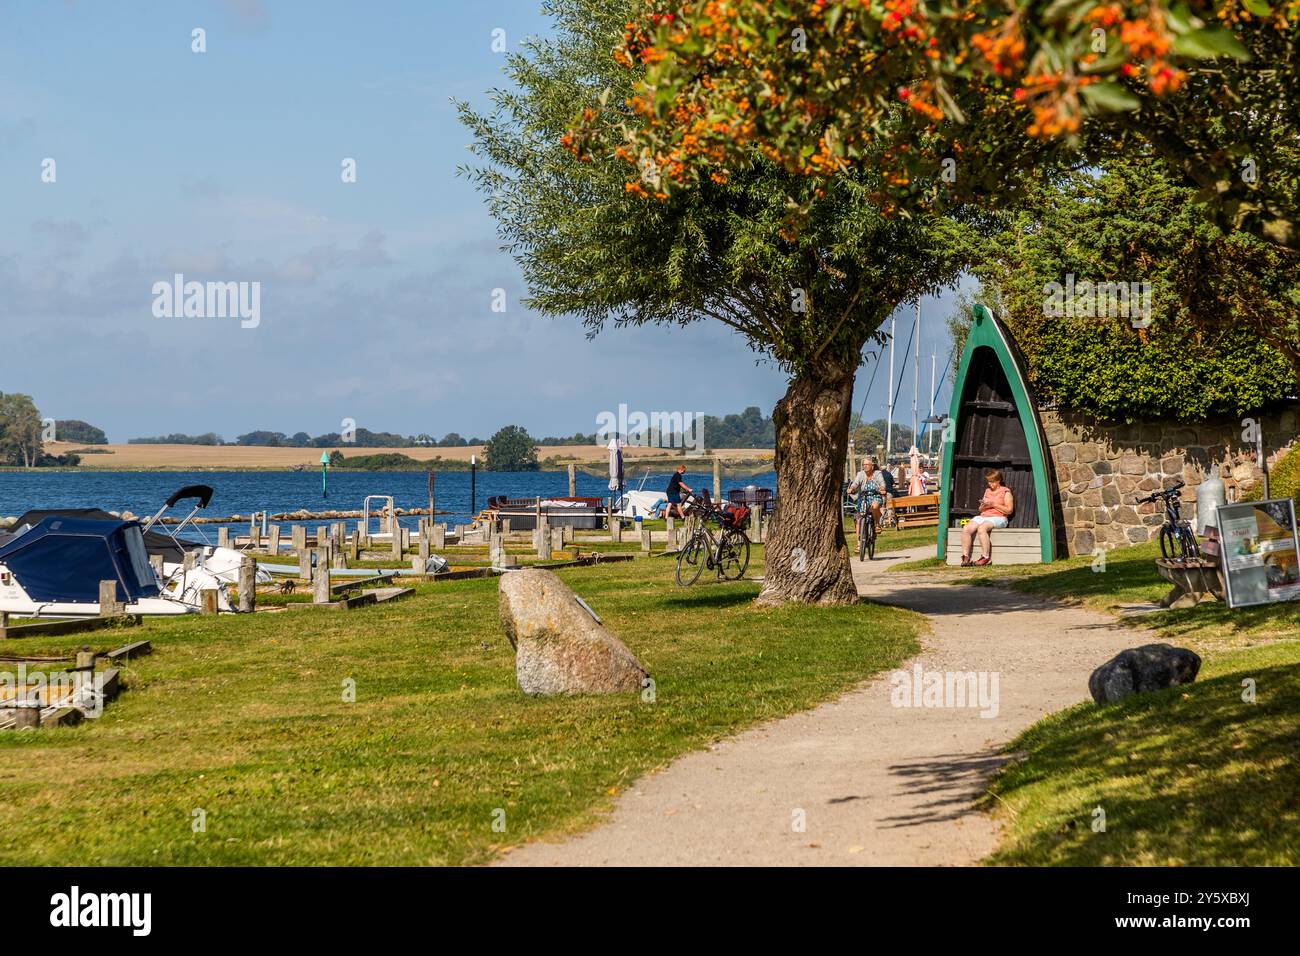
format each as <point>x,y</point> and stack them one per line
<point>1260,552</point>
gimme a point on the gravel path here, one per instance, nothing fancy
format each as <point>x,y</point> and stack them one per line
<point>873,783</point>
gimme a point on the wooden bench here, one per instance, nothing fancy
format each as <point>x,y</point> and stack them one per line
<point>916,511</point>
<point>1010,546</point>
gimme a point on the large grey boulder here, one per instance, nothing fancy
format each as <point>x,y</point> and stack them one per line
<point>1141,669</point>
<point>560,648</point>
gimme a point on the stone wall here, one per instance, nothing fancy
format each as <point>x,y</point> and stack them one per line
<point>1100,468</point>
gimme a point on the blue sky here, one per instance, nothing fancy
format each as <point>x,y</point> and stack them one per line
<point>225,166</point>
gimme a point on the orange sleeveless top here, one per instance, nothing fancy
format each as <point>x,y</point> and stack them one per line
<point>991,496</point>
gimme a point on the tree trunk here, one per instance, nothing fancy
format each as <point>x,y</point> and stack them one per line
<point>807,558</point>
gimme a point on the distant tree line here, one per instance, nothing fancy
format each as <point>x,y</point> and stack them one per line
<point>22,434</point>
<point>75,430</point>
<point>749,429</point>
<point>176,438</point>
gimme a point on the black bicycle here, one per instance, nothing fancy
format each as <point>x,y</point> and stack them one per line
<point>1177,539</point>
<point>866,535</point>
<point>727,553</point>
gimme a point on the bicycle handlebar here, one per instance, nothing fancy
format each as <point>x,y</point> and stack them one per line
<point>1169,492</point>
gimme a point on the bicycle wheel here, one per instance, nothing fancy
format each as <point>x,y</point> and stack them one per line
<point>870,529</point>
<point>1189,548</point>
<point>1170,548</point>
<point>691,559</point>
<point>733,555</point>
<point>862,540</point>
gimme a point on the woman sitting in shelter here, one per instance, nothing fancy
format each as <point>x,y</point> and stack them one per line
<point>995,511</point>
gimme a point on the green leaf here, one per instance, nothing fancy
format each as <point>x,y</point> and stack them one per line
<point>1110,97</point>
<point>1258,7</point>
<point>1209,43</point>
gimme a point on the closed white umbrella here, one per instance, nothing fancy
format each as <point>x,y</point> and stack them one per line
<point>616,480</point>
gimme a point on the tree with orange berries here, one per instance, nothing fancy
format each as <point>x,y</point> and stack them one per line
<point>989,88</point>
<point>804,270</point>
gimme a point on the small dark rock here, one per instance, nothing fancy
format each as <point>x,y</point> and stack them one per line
<point>1141,669</point>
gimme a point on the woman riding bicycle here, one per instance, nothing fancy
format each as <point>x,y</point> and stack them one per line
<point>868,489</point>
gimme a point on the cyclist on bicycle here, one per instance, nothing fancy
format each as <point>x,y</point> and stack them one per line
<point>868,489</point>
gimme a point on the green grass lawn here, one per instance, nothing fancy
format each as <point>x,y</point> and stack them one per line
<point>1188,776</point>
<point>245,719</point>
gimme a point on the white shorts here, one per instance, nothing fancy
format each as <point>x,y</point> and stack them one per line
<point>993,521</point>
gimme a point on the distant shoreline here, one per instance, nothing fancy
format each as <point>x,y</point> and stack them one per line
<point>253,458</point>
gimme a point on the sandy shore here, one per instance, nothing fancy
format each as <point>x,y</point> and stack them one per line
<point>131,457</point>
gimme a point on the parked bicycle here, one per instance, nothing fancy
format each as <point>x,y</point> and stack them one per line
<point>1177,539</point>
<point>727,552</point>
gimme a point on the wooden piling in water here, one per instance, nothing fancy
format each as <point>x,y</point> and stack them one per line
<point>573,481</point>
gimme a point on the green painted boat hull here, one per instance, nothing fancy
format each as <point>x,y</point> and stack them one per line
<point>987,343</point>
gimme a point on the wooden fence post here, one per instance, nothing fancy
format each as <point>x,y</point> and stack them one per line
<point>396,533</point>
<point>439,536</point>
<point>108,604</point>
<point>27,715</point>
<point>557,540</point>
<point>208,600</point>
<point>645,538</point>
<point>542,540</point>
<point>299,534</point>
<point>273,544</point>
<point>247,584</point>
<point>223,537</point>
<point>321,579</point>
<point>717,478</point>
<point>614,522</point>
<point>573,481</point>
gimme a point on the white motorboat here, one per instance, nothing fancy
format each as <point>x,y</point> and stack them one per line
<point>54,569</point>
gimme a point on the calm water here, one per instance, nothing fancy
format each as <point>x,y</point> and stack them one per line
<point>143,492</point>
